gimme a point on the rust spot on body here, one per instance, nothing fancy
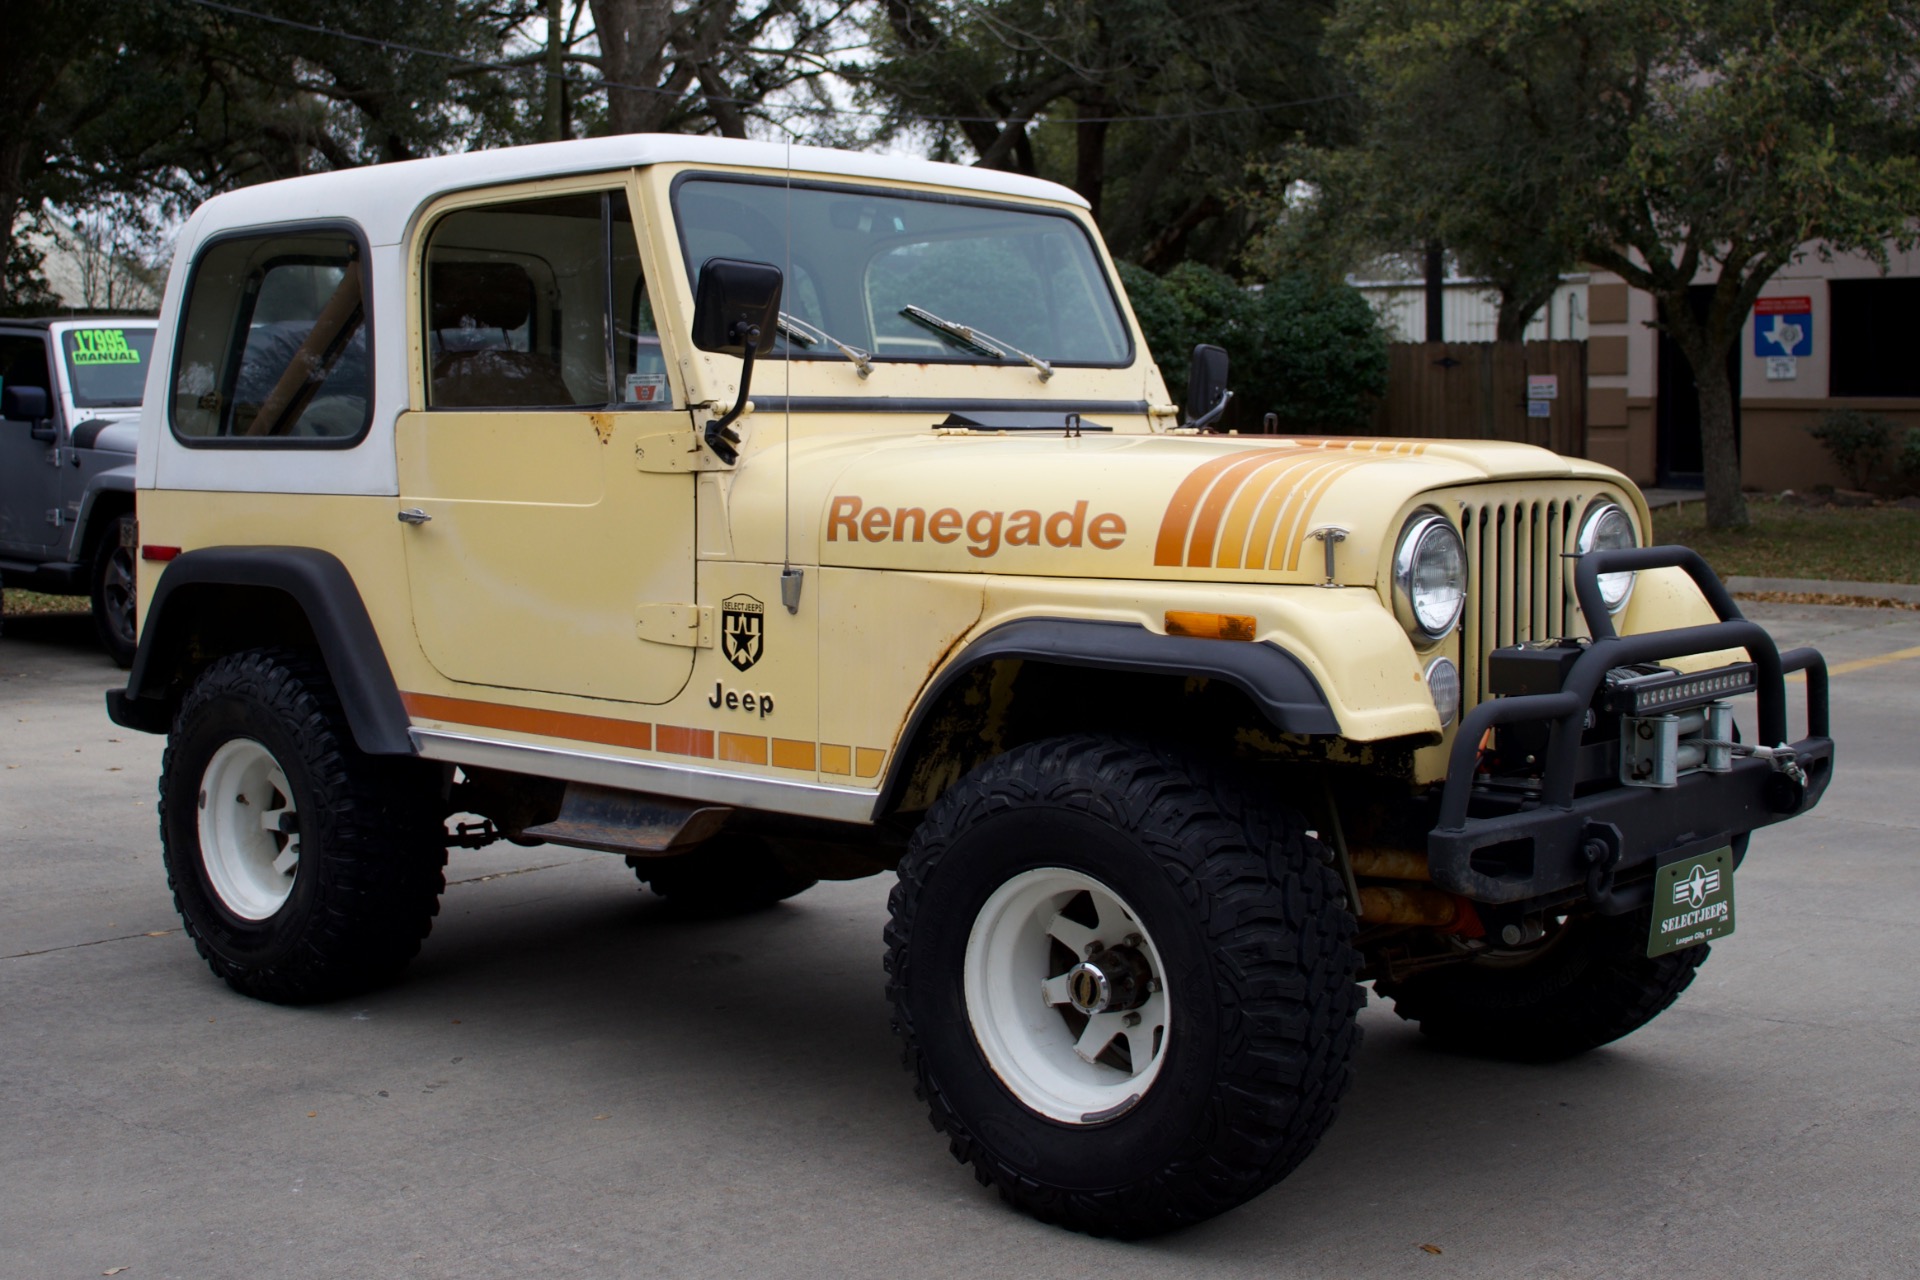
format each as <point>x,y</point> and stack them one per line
<point>602,426</point>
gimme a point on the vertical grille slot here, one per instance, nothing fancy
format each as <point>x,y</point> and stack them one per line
<point>1515,581</point>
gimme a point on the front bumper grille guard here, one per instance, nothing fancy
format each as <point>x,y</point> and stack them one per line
<point>1562,822</point>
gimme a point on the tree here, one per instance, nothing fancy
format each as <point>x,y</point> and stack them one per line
<point>1307,350</point>
<point>1148,108</point>
<point>1673,142</point>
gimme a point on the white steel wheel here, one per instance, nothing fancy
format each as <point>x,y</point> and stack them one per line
<point>249,829</point>
<point>1066,995</point>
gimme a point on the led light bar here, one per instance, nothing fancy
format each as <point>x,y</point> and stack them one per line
<point>1639,692</point>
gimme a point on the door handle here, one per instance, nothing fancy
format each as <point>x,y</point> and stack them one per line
<point>414,515</point>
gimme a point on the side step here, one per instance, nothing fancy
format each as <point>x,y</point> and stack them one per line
<point>627,822</point>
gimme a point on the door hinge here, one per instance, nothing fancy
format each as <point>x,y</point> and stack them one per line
<point>687,625</point>
<point>56,517</point>
<point>670,452</point>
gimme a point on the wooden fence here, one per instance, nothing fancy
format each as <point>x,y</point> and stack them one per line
<point>1478,391</point>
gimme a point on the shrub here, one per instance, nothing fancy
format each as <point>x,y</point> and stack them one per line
<point>1857,441</point>
<point>1907,462</point>
<point>1309,351</point>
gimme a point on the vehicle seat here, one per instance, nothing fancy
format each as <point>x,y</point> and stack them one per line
<point>478,296</point>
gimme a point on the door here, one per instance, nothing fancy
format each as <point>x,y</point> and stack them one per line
<point>29,468</point>
<point>546,549</point>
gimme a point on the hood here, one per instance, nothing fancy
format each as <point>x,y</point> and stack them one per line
<point>1221,508</point>
<point>109,431</point>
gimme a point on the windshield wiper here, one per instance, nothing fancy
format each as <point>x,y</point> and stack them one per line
<point>798,330</point>
<point>967,336</point>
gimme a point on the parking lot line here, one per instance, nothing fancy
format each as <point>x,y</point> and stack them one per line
<point>1862,664</point>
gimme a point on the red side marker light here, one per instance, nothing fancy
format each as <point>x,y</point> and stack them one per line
<point>158,553</point>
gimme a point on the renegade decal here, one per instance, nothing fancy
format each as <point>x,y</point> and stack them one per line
<point>1247,509</point>
<point>986,531</point>
<point>741,618</point>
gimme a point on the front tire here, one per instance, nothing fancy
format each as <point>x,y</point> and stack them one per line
<point>302,869</point>
<point>1130,1084</point>
<point>114,598</point>
<point>1588,983</point>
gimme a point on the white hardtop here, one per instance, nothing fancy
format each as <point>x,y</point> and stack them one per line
<point>382,198</point>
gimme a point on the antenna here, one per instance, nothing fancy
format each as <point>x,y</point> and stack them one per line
<point>790,577</point>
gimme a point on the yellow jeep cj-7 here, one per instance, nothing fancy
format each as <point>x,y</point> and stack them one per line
<point>768,515</point>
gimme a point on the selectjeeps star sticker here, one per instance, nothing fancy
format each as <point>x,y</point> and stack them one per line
<point>1694,889</point>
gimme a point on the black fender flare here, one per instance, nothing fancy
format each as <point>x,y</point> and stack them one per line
<point>321,588</point>
<point>1278,683</point>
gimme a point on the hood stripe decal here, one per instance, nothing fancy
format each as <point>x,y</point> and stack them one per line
<point>1247,509</point>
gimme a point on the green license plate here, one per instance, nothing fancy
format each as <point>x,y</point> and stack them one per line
<point>1692,902</point>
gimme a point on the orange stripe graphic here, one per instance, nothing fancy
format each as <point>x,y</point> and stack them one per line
<point>1289,536</point>
<point>1257,502</point>
<point>545,724</point>
<point>1171,546</point>
<point>1214,510</point>
<point>679,741</point>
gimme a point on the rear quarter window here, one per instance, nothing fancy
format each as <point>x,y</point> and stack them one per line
<point>274,341</point>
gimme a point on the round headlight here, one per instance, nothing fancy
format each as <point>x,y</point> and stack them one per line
<point>1608,528</point>
<point>1429,576</point>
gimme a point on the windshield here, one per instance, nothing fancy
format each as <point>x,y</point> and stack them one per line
<point>107,367</point>
<point>859,258</point>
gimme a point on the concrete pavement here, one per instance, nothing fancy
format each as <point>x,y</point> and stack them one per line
<point>571,1082</point>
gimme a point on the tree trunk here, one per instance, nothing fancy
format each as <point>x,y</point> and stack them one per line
<point>634,37</point>
<point>1090,152</point>
<point>1719,446</point>
<point>1517,310</point>
<point>553,116</point>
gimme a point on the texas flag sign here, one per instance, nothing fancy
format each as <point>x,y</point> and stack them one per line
<point>1783,327</point>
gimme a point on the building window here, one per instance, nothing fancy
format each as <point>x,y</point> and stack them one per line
<point>1876,327</point>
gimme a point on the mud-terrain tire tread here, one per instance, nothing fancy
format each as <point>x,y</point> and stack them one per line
<point>728,875</point>
<point>1276,925</point>
<point>1595,987</point>
<point>369,832</point>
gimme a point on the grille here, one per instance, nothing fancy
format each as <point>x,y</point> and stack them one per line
<point>1516,582</point>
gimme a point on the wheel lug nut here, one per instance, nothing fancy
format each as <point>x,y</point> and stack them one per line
<point>1133,1019</point>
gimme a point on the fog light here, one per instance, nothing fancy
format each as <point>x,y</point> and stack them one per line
<point>1443,682</point>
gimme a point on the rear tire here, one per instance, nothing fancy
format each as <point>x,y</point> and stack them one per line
<point>115,601</point>
<point>1231,950</point>
<point>302,869</point>
<point>1588,984</point>
<point>729,875</point>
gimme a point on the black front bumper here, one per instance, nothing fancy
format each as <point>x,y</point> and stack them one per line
<point>1552,842</point>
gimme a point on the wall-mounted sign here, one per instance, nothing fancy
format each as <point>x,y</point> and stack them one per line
<point>1543,386</point>
<point>1783,327</point>
<point>1539,408</point>
<point>1782,368</point>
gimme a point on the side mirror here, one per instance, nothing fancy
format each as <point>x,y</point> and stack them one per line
<point>30,405</point>
<point>1207,393</point>
<point>736,311</point>
<point>736,307</point>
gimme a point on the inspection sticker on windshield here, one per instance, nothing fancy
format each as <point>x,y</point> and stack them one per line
<point>646,388</point>
<point>1692,902</point>
<point>103,346</point>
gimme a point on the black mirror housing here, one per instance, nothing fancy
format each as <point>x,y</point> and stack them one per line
<point>735,302</point>
<point>25,404</point>
<point>1206,380</point>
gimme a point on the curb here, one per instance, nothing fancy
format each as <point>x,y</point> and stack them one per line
<point>1905,592</point>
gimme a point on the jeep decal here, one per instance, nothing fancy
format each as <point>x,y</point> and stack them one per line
<point>986,531</point>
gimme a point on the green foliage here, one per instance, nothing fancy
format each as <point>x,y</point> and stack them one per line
<point>1906,463</point>
<point>1858,442</point>
<point>1151,109</point>
<point>1662,140</point>
<point>1308,350</point>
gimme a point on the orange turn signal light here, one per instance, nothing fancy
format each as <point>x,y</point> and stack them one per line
<point>1209,626</point>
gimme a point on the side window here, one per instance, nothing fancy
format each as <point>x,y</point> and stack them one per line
<point>540,304</point>
<point>23,362</point>
<point>273,347</point>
